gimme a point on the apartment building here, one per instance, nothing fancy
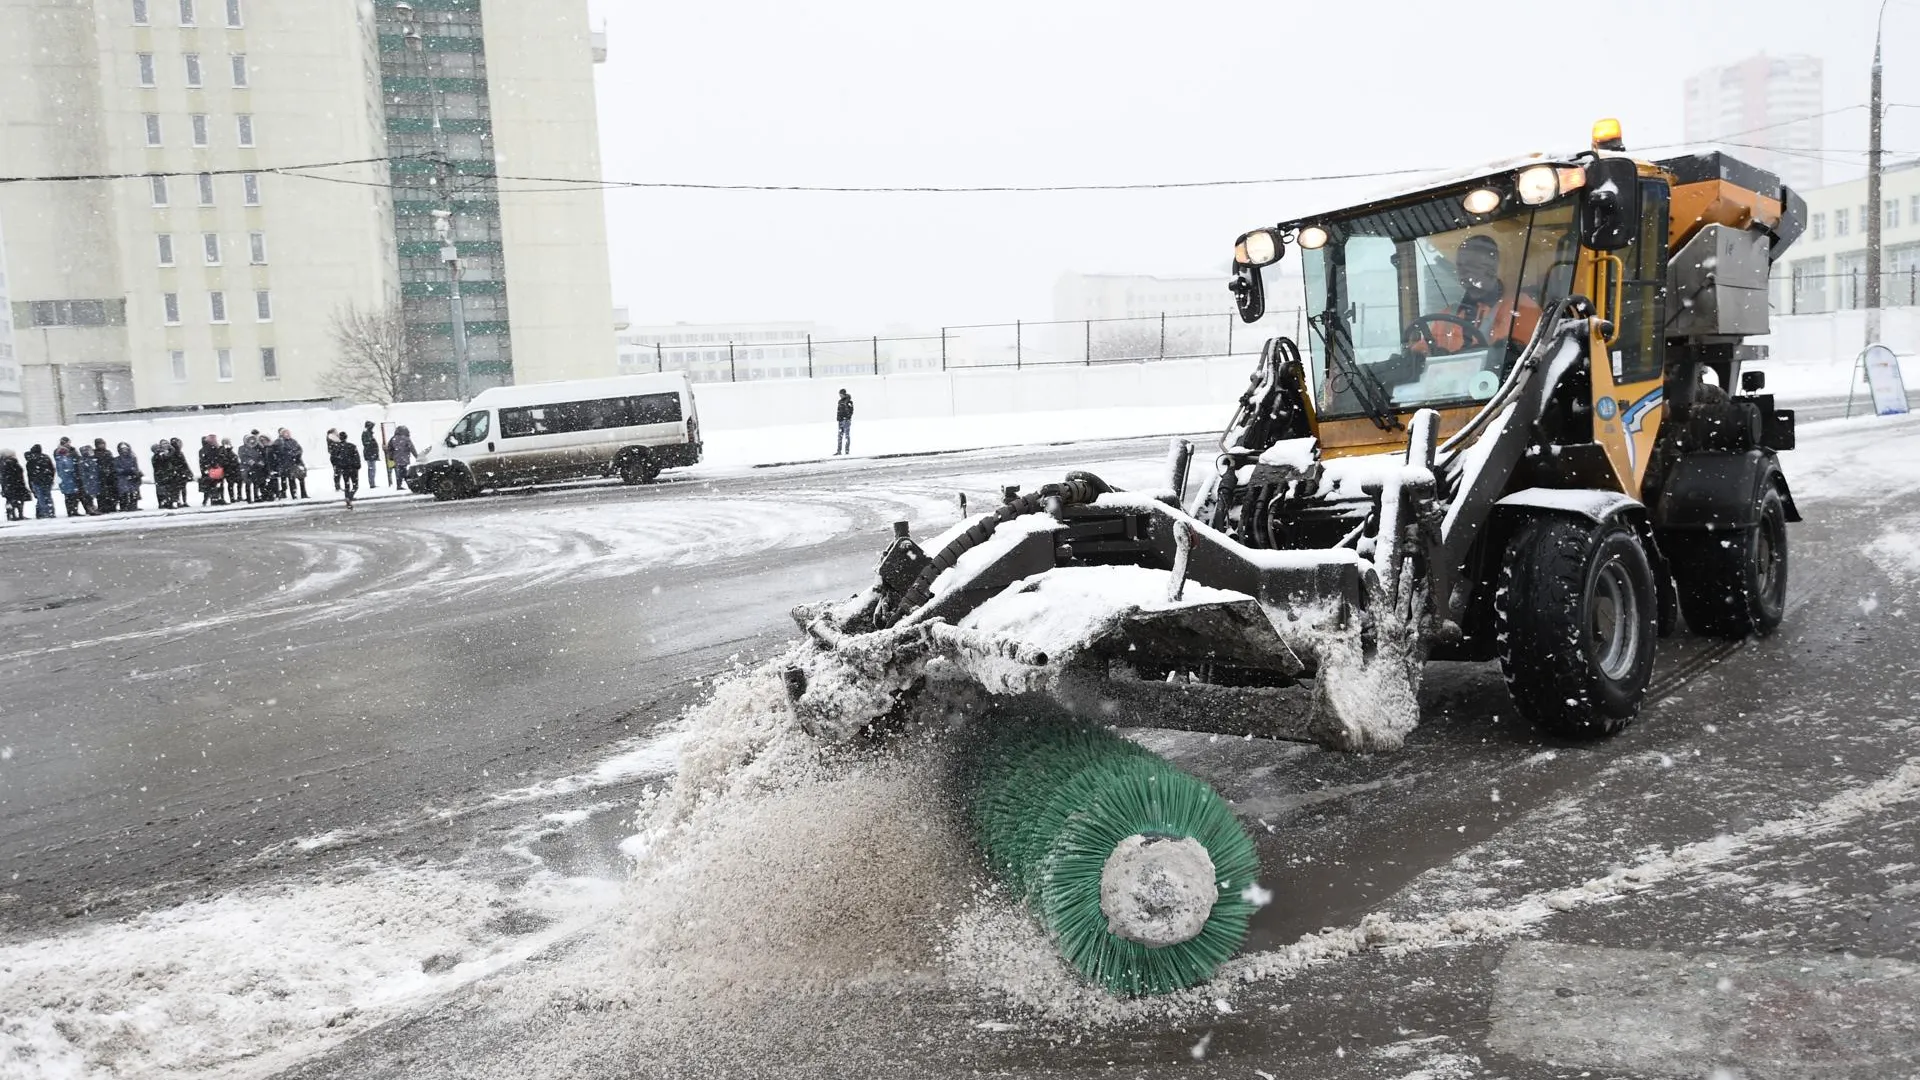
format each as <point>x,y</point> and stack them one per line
<point>254,197</point>
<point>1766,111</point>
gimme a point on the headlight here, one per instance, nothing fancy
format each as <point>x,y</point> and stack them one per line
<point>1258,248</point>
<point>1537,185</point>
<point>1312,238</point>
<point>1481,201</point>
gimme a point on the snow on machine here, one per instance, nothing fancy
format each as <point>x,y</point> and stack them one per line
<point>1520,426</point>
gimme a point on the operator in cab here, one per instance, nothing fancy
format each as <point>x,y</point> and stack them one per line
<point>1485,315</point>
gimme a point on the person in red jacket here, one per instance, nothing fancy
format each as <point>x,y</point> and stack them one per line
<point>1483,305</point>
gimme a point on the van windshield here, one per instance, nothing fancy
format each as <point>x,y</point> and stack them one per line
<point>471,429</point>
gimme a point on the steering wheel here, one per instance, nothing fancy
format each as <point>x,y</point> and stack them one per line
<point>1471,336</point>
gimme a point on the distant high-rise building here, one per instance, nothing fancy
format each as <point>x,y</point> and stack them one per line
<point>1765,110</point>
<point>212,271</point>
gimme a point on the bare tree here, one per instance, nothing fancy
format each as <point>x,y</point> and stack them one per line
<point>374,355</point>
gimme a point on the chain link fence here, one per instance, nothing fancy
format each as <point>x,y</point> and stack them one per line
<point>1169,336</point>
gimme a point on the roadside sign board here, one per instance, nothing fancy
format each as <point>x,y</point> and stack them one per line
<point>1882,369</point>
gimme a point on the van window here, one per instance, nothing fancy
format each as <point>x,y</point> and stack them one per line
<point>596,414</point>
<point>471,429</point>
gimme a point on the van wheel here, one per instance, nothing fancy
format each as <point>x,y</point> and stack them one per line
<point>638,467</point>
<point>1577,615</point>
<point>448,486</point>
<point>1733,585</point>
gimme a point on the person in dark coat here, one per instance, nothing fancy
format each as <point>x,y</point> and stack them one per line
<point>370,450</point>
<point>253,467</point>
<point>230,464</point>
<point>346,465</point>
<point>844,414</point>
<point>89,467</point>
<point>179,472</point>
<point>289,463</point>
<point>159,452</point>
<point>40,475</point>
<point>401,453</point>
<point>105,499</point>
<point>66,471</point>
<point>13,486</point>
<point>213,475</point>
<point>126,479</point>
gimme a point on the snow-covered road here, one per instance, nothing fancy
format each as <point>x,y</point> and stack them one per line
<point>370,785</point>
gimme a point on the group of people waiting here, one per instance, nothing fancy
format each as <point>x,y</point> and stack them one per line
<point>93,479</point>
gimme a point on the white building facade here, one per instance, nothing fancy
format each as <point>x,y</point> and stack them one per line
<point>206,274</point>
<point>1765,111</point>
<point>13,409</point>
<point>1825,270</point>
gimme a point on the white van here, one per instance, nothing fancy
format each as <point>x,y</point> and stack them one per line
<point>631,427</point>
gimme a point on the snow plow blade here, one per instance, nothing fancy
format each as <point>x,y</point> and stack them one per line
<point>1121,608</point>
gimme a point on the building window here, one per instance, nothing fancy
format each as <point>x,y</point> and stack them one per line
<point>165,242</point>
<point>257,248</point>
<point>153,129</point>
<point>239,61</point>
<point>211,241</point>
<point>139,12</point>
<point>206,189</point>
<point>179,360</point>
<point>170,307</point>
<point>194,79</point>
<point>199,128</point>
<point>250,188</point>
<point>1840,222</point>
<point>1891,218</point>
<point>159,189</point>
<point>1865,223</point>
<point>245,124</point>
<point>186,12</point>
<point>263,305</point>
<point>146,68</point>
<point>233,14</point>
<point>1818,228</point>
<point>217,306</point>
<point>223,364</point>
<point>269,364</point>
<point>1913,209</point>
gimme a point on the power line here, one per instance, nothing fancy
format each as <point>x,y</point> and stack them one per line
<point>290,170</point>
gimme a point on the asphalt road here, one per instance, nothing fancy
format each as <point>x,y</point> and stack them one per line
<point>1729,885</point>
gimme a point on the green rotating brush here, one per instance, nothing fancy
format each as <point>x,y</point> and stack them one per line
<point>1136,868</point>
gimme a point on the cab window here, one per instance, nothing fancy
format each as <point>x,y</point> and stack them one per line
<point>472,428</point>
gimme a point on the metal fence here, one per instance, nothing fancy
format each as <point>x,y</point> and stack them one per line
<point>1085,342</point>
<point>1845,290</point>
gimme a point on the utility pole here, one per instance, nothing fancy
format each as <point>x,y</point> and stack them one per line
<point>1873,188</point>
<point>443,215</point>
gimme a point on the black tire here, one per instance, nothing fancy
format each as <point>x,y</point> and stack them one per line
<point>638,467</point>
<point>1732,586</point>
<point>448,486</point>
<point>1577,616</point>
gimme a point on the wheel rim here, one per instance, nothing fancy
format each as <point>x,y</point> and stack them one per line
<point>1615,609</point>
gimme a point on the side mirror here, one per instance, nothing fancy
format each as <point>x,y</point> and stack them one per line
<point>1261,247</point>
<point>1610,213</point>
<point>1249,293</point>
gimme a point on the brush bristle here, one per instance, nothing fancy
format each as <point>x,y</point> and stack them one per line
<point>1050,802</point>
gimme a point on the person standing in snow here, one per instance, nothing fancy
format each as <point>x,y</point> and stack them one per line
<point>346,465</point>
<point>370,450</point>
<point>253,468</point>
<point>66,471</point>
<point>289,463</point>
<point>230,464</point>
<point>844,414</point>
<point>179,473</point>
<point>126,479</point>
<point>13,486</point>
<point>213,474</point>
<point>90,466</point>
<point>400,453</point>
<point>104,496</point>
<point>40,475</point>
<point>159,451</point>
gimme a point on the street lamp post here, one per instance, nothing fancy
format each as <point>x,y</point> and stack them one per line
<point>443,216</point>
<point>1874,207</point>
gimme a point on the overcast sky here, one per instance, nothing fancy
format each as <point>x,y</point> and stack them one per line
<point>878,92</point>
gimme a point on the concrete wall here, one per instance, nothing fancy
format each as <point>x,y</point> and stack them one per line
<point>733,406</point>
<point>1838,336</point>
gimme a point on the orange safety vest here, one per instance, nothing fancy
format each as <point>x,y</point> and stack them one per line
<point>1501,323</point>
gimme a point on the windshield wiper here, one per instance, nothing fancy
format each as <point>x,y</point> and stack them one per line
<point>1367,388</point>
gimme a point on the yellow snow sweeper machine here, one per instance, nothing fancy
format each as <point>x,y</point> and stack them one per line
<point>1519,424</point>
